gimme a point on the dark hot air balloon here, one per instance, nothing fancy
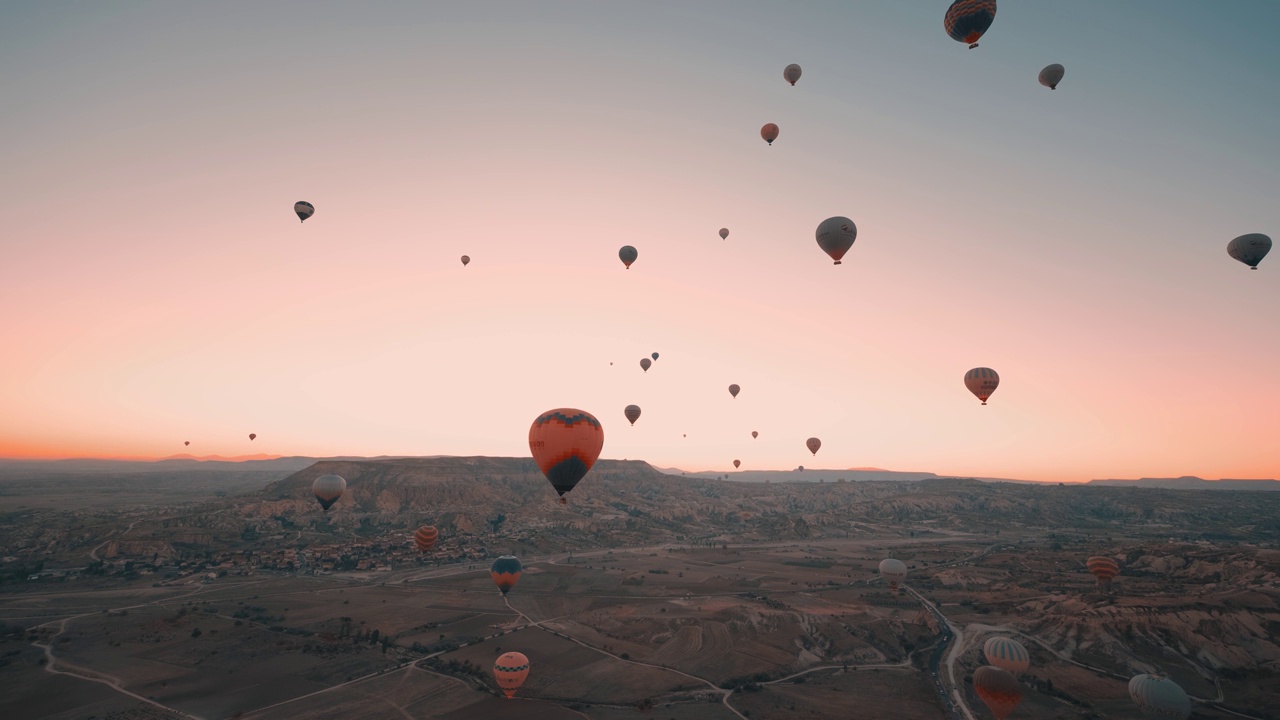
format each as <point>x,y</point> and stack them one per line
<point>465,259</point>
<point>628,255</point>
<point>791,73</point>
<point>737,463</point>
<point>645,364</point>
<point>1250,249</point>
<point>510,670</point>
<point>998,689</point>
<point>769,132</point>
<point>835,236</point>
<point>304,210</point>
<point>654,356</point>
<point>565,443</point>
<point>426,537</point>
<point>253,435</point>
<point>188,442</point>
<point>982,382</point>
<point>734,389</point>
<point>967,20</point>
<point>632,413</point>
<point>755,434</point>
<point>506,572</point>
<point>724,233</point>
<point>813,444</point>
<point>327,489</point>
<point>1051,75</point>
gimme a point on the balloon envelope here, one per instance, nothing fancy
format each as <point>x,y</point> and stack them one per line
<point>1103,568</point>
<point>967,20</point>
<point>813,444</point>
<point>737,463</point>
<point>654,356</point>
<point>632,412</point>
<point>1159,697</point>
<point>187,442</point>
<point>893,571</point>
<point>1007,654</point>
<point>1051,75</point>
<point>734,389</point>
<point>304,210</point>
<point>982,382</point>
<point>791,73</point>
<point>253,435</point>
<point>327,489</point>
<point>998,689</point>
<point>465,259</point>
<point>628,255</point>
<point>426,537</point>
<point>506,572</point>
<point>755,434</point>
<point>510,670</point>
<point>1250,249</point>
<point>565,443</point>
<point>835,236</point>
<point>769,132</point>
<point>724,233</point>
<point>645,364</point>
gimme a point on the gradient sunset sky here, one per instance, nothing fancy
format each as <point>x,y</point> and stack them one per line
<point>156,287</point>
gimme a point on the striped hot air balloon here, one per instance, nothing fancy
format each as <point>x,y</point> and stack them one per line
<point>327,489</point>
<point>967,20</point>
<point>506,572</point>
<point>510,671</point>
<point>1103,568</point>
<point>1159,698</point>
<point>565,443</point>
<point>1007,654</point>
<point>982,382</point>
<point>893,571</point>
<point>632,413</point>
<point>998,689</point>
<point>304,210</point>
<point>426,537</point>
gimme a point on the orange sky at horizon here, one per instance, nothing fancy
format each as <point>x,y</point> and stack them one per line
<point>157,288</point>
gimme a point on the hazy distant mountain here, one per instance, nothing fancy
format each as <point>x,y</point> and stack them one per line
<point>825,475</point>
<point>1190,482</point>
<point>94,466</point>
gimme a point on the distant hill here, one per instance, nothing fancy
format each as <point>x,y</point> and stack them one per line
<point>826,475</point>
<point>1189,482</point>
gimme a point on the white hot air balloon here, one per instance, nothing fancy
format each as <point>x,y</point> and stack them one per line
<point>1250,249</point>
<point>1051,75</point>
<point>1159,698</point>
<point>792,73</point>
<point>893,571</point>
<point>1007,654</point>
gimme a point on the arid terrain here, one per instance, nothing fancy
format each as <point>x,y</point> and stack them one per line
<point>233,595</point>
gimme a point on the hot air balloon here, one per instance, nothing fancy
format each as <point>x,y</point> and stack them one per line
<point>510,671</point>
<point>632,412</point>
<point>791,73</point>
<point>188,442</point>
<point>1159,698</point>
<point>724,233</point>
<point>628,255</point>
<point>1007,654</point>
<point>506,572</point>
<point>565,443</point>
<point>998,689</point>
<point>654,356</point>
<point>1103,568</point>
<point>1051,75</point>
<point>1250,249</point>
<point>813,445</point>
<point>426,537</point>
<point>733,390</point>
<point>327,489</point>
<point>465,259</point>
<point>982,382</point>
<point>967,20</point>
<point>893,571</point>
<point>304,210</point>
<point>645,364</point>
<point>737,463</point>
<point>836,235</point>
<point>755,434</point>
<point>252,436</point>
<point>769,132</point>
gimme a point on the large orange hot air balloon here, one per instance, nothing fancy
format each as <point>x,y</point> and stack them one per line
<point>1103,568</point>
<point>426,537</point>
<point>565,443</point>
<point>769,133</point>
<point>813,444</point>
<point>632,413</point>
<point>506,572</point>
<point>510,671</point>
<point>982,382</point>
<point>998,689</point>
<point>327,489</point>
<point>733,390</point>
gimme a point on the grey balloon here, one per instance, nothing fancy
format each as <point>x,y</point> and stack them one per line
<point>1051,75</point>
<point>1250,249</point>
<point>836,235</point>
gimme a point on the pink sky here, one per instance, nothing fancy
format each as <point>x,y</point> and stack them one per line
<point>157,288</point>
